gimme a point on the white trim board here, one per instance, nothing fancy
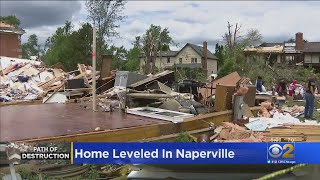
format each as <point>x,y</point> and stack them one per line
<point>157,113</point>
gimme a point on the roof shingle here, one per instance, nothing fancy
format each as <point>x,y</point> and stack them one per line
<point>199,50</point>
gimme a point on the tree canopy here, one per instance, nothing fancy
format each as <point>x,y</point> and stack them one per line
<point>219,52</point>
<point>12,20</point>
<point>106,15</point>
<point>155,40</point>
<point>31,47</point>
<point>69,47</point>
<point>233,57</point>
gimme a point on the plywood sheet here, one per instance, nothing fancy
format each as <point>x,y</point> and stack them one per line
<point>228,80</point>
<point>223,99</point>
<point>47,120</point>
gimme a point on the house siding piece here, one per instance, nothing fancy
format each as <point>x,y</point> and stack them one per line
<point>10,45</point>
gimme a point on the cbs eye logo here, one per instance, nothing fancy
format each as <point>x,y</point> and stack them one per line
<point>277,151</point>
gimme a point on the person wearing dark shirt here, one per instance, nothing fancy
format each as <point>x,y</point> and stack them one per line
<point>282,88</point>
<point>309,97</point>
<point>259,84</point>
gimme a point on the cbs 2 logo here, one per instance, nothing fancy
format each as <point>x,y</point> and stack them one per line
<point>277,151</point>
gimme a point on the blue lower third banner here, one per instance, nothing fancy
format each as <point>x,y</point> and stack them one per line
<point>196,153</point>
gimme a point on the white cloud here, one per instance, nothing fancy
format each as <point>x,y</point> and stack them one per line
<point>42,33</point>
<point>196,21</point>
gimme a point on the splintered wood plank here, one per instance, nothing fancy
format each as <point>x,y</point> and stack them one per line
<point>282,134</point>
<point>298,127</point>
<point>246,111</point>
<point>313,138</point>
<point>284,139</point>
<point>294,130</point>
<point>82,68</point>
<point>293,133</point>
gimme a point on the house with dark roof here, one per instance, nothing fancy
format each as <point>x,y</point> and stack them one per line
<point>299,52</point>
<point>10,40</point>
<point>189,56</point>
<point>311,53</point>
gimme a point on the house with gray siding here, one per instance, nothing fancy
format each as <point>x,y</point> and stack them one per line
<point>190,55</point>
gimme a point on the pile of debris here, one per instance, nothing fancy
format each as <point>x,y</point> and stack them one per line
<point>230,132</point>
<point>272,124</point>
<point>150,96</point>
<point>26,80</point>
<point>270,116</point>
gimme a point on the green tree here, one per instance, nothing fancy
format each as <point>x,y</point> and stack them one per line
<point>119,57</point>
<point>12,20</point>
<point>219,52</point>
<point>291,40</point>
<point>234,57</point>
<point>152,43</point>
<point>133,59</point>
<point>69,47</point>
<point>31,47</point>
<point>106,14</point>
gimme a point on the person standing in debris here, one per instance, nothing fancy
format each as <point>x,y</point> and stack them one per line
<point>273,86</point>
<point>292,87</point>
<point>259,84</point>
<point>282,88</point>
<point>318,86</point>
<point>309,97</point>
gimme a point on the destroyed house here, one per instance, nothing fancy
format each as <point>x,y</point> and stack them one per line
<point>298,52</point>
<point>10,40</point>
<point>189,56</point>
<point>269,51</point>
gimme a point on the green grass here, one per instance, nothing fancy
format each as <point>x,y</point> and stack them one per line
<point>184,137</point>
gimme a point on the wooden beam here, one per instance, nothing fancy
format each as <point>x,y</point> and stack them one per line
<point>172,137</point>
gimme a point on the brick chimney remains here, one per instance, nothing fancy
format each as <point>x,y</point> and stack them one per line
<point>299,41</point>
<point>205,58</point>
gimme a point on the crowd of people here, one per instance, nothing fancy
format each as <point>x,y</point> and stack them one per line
<point>295,90</point>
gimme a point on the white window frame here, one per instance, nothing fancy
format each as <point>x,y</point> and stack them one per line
<point>175,119</point>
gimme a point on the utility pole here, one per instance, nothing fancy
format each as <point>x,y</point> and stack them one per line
<point>94,55</point>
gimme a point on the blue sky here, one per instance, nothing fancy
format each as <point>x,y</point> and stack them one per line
<point>188,21</point>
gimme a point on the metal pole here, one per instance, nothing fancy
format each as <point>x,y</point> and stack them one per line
<point>94,54</point>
